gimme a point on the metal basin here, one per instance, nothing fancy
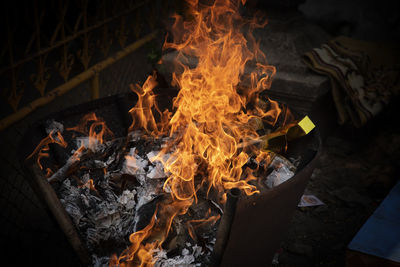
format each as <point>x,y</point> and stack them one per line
<point>259,223</point>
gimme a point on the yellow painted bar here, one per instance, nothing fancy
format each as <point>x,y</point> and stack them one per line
<point>95,86</point>
<point>306,124</point>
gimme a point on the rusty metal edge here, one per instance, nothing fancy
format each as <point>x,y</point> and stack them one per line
<point>261,220</point>
<point>49,197</point>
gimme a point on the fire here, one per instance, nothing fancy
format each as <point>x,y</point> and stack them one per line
<point>90,125</point>
<point>211,116</point>
<point>49,172</point>
<point>142,114</point>
<point>152,236</point>
<point>143,251</point>
<point>192,225</point>
<point>213,113</point>
<point>93,127</point>
<point>212,129</point>
<point>42,150</point>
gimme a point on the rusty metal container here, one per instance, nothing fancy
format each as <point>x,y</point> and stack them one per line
<point>259,222</point>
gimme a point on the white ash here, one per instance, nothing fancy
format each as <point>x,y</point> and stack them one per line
<point>98,219</point>
<point>101,215</point>
<point>282,171</point>
<point>90,143</point>
<point>134,164</point>
<point>85,178</point>
<point>73,210</point>
<point>145,193</point>
<point>188,258</point>
<point>157,170</point>
<point>144,170</point>
<point>111,159</point>
<point>69,201</point>
<point>127,199</point>
<point>154,155</point>
<point>210,246</point>
<point>135,135</point>
<point>99,164</point>
<point>98,261</point>
<point>54,126</point>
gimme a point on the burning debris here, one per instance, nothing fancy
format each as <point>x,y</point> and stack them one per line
<point>156,197</point>
<point>115,187</point>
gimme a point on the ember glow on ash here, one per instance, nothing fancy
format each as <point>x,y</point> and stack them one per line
<point>218,109</point>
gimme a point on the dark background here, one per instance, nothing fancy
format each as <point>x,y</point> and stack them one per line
<point>363,160</point>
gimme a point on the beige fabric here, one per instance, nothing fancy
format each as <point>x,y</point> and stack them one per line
<point>363,76</point>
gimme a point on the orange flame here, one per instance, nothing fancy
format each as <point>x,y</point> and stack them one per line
<point>89,184</point>
<point>42,149</point>
<point>152,236</point>
<point>143,113</point>
<point>211,116</point>
<point>192,225</point>
<point>214,111</point>
<point>96,131</point>
<point>138,253</point>
<point>49,172</point>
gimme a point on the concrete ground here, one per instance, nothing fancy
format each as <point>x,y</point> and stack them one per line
<point>357,169</point>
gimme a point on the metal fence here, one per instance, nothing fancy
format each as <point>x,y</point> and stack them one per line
<point>59,44</point>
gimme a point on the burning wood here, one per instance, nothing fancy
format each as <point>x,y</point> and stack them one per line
<point>156,197</point>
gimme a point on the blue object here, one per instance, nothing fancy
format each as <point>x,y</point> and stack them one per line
<point>380,235</point>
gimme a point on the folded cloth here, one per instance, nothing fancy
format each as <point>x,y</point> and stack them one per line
<point>363,76</point>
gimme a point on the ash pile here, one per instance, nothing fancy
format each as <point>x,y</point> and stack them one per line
<point>112,189</point>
